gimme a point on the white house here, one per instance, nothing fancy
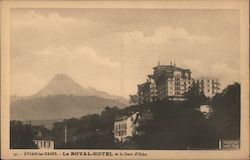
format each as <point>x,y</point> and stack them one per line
<point>126,127</point>
<point>44,143</point>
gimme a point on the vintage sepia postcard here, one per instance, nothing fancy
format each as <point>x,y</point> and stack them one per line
<point>125,79</point>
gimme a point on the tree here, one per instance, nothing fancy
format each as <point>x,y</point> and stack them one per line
<point>195,96</point>
<point>21,135</point>
<point>58,134</point>
<point>226,117</point>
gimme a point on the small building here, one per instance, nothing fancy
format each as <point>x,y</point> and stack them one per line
<point>44,143</point>
<point>43,138</point>
<point>229,144</point>
<point>206,110</point>
<point>125,127</point>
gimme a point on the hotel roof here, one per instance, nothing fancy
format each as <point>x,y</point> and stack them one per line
<point>125,117</point>
<point>169,67</point>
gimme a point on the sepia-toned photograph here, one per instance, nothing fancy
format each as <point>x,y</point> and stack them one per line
<point>132,79</point>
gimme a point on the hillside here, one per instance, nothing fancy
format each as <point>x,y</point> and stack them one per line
<point>61,98</point>
<point>59,106</point>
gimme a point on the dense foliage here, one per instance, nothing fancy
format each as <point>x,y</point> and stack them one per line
<point>91,131</point>
<point>226,117</point>
<point>21,135</point>
<point>174,127</point>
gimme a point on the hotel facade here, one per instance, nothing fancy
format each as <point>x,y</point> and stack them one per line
<point>172,82</point>
<point>167,81</point>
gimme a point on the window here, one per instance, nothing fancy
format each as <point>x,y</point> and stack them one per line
<point>49,144</point>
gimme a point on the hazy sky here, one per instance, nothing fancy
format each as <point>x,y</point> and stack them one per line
<point>114,50</point>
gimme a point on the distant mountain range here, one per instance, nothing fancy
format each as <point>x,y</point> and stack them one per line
<point>62,98</point>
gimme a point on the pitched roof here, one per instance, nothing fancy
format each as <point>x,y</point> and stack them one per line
<point>43,138</point>
<point>125,117</point>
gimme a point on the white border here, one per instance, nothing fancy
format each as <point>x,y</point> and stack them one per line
<point>242,5</point>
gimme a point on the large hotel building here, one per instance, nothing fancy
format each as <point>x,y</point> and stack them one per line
<point>171,82</point>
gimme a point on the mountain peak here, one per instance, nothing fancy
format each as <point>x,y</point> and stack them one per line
<point>62,77</point>
<point>62,84</point>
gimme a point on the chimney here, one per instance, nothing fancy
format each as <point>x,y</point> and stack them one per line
<point>39,134</point>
